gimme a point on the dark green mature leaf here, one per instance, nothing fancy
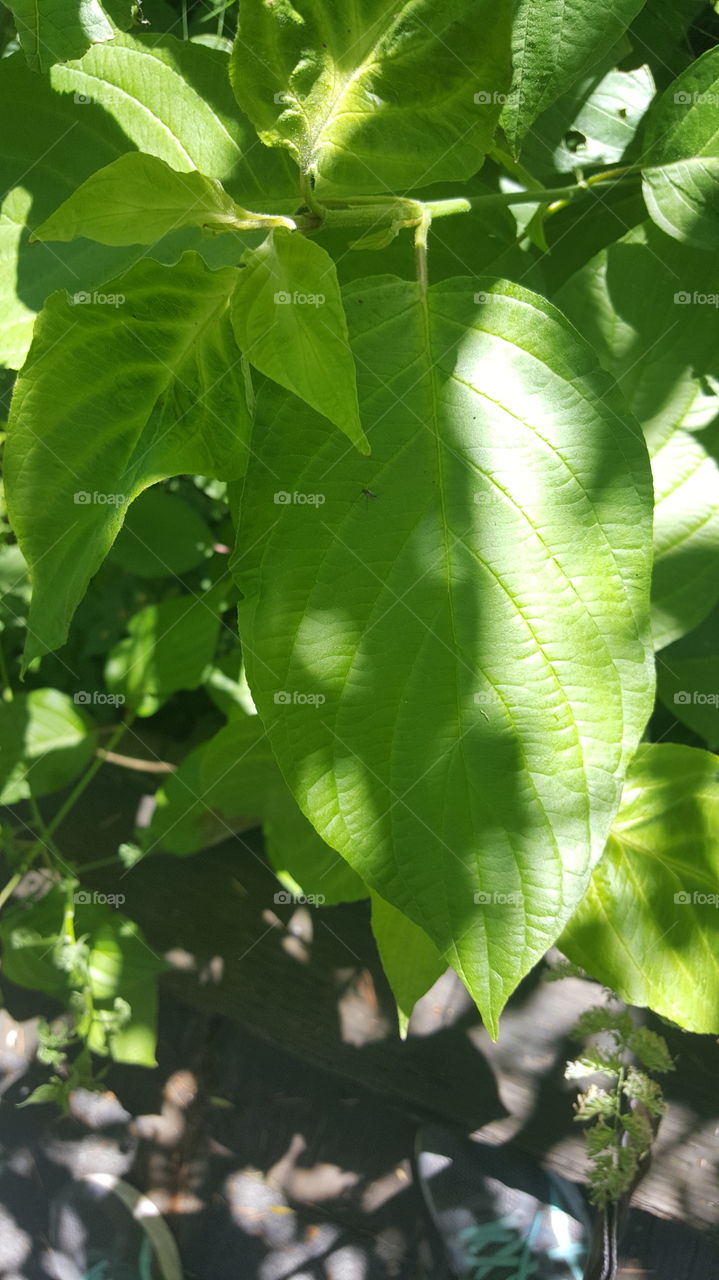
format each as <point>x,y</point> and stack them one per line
<point>449,643</point>
<point>659,36</point>
<point>681,150</point>
<point>137,199</point>
<point>161,535</point>
<point>130,386</point>
<point>289,320</point>
<point>649,925</point>
<point>56,30</point>
<point>46,739</point>
<point>156,94</point>
<point>553,45</point>
<point>371,97</point>
<point>650,308</point>
<point>688,679</point>
<point>411,962</point>
<point>231,783</point>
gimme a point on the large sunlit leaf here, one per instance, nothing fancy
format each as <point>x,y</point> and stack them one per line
<point>120,389</point>
<point>649,307</point>
<point>52,31</point>
<point>553,44</point>
<point>150,93</point>
<point>448,642</point>
<point>681,152</point>
<point>649,925</point>
<point>46,740</point>
<point>370,97</point>
<point>288,319</point>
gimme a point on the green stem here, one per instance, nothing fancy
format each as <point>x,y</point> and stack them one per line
<point>374,213</point>
<point>11,886</point>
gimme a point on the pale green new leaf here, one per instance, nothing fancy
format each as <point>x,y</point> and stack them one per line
<point>46,740</point>
<point>120,389</point>
<point>451,652</point>
<point>681,155</point>
<point>649,925</point>
<point>289,320</point>
<point>52,31</point>
<point>155,94</point>
<point>649,307</point>
<point>553,44</point>
<point>138,199</point>
<point>372,97</point>
<point>411,962</point>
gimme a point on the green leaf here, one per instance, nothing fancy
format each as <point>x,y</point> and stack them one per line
<point>659,36</point>
<point>169,647</point>
<point>46,740</point>
<point>649,925</point>
<point>132,385</point>
<point>52,31</point>
<point>443,670</point>
<point>688,679</point>
<point>154,94</point>
<point>289,320</point>
<point>122,966</point>
<point>230,784</point>
<point>554,44</point>
<point>411,962</point>
<point>649,306</point>
<point>138,199</point>
<point>593,124</point>
<point>161,535</point>
<point>681,156</point>
<point>227,685</point>
<point>371,98</point>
